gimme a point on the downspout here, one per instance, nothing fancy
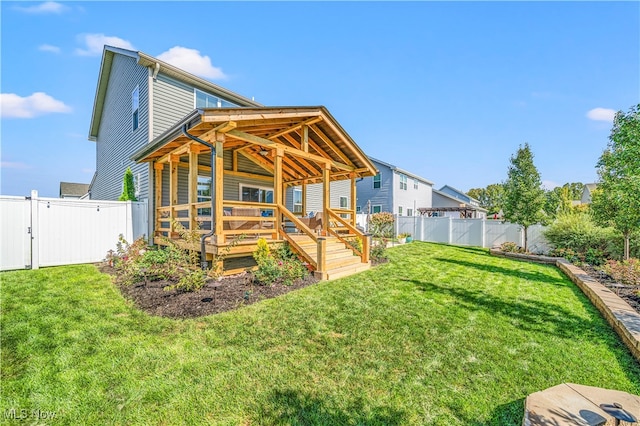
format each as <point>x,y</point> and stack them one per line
<point>203,253</point>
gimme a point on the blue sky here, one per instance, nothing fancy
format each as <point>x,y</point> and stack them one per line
<point>446,90</point>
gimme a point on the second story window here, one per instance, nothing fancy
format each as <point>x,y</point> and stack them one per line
<point>415,185</point>
<point>135,107</point>
<point>376,181</point>
<point>403,182</point>
<point>205,100</point>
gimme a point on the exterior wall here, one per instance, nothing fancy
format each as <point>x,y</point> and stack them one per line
<point>411,198</point>
<point>172,101</point>
<point>337,189</point>
<point>382,196</point>
<point>389,196</point>
<point>116,140</point>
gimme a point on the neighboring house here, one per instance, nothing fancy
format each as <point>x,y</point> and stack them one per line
<point>217,161</point>
<point>587,191</point>
<point>74,190</point>
<point>393,190</point>
<point>447,205</point>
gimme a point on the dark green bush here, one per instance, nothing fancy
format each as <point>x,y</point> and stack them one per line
<point>578,232</point>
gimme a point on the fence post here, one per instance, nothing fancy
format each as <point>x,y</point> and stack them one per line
<point>421,227</point>
<point>484,232</point>
<point>450,230</point>
<point>35,231</point>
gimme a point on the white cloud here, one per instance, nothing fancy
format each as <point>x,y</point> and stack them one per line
<point>49,48</point>
<point>46,7</point>
<point>95,43</point>
<point>601,114</point>
<point>14,165</point>
<point>192,61</point>
<point>39,103</point>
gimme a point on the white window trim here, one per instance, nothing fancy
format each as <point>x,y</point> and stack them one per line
<point>374,207</point>
<point>293,200</point>
<point>379,181</point>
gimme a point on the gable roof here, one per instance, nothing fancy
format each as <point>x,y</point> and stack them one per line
<point>460,192</point>
<point>399,170</point>
<point>458,200</point>
<point>73,189</point>
<point>145,60</point>
<point>268,126</point>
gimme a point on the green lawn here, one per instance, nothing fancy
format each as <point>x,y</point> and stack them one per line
<point>440,335</point>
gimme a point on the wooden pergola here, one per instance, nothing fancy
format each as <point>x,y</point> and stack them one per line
<point>287,146</point>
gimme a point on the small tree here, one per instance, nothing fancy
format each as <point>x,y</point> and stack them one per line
<point>523,194</point>
<point>490,197</point>
<point>616,201</point>
<point>128,187</point>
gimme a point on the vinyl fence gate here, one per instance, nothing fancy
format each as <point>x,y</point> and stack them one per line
<point>39,232</point>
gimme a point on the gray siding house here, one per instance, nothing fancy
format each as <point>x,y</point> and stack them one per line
<point>138,97</point>
<point>447,205</point>
<point>393,190</point>
<point>587,191</point>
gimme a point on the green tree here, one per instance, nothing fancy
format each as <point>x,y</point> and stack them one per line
<point>523,194</point>
<point>559,200</point>
<point>490,197</point>
<point>616,202</point>
<point>128,187</point>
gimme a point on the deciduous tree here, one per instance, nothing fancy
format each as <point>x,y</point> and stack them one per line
<point>616,201</point>
<point>523,194</point>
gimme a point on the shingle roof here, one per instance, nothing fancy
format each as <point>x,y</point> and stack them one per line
<point>73,189</point>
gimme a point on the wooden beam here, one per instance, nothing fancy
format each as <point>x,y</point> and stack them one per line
<point>193,188</point>
<point>353,199</point>
<point>304,138</point>
<point>277,185</point>
<point>225,127</point>
<point>234,160</point>
<point>311,169</point>
<point>248,175</point>
<point>217,117</point>
<point>331,145</point>
<point>293,151</point>
<point>295,127</point>
<point>158,193</point>
<point>218,189</point>
<point>264,164</point>
<point>326,200</point>
<point>304,198</point>
<point>173,186</point>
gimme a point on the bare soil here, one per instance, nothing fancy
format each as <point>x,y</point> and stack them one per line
<point>626,292</point>
<point>229,293</point>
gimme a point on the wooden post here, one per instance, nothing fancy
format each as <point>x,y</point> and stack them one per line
<point>353,198</point>
<point>174,160</point>
<point>326,201</point>
<point>304,198</point>
<point>366,247</point>
<point>218,186</point>
<point>193,186</point>
<point>158,195</point>
<point>277,188</point>
<point>321,271</point>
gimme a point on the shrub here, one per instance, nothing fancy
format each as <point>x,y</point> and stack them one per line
<point>625,272</point>
<point>511,247</point>
<point>568,254</point>
<point>578,232</point>
<point>278,265</point>
<point>381,225</point>
<point>378,252</point>
<point>356,243</point>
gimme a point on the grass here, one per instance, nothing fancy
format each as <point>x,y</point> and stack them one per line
<point>441,335</point>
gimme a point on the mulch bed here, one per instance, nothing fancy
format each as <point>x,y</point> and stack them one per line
<point>626,292</point>
<point>229,293</point>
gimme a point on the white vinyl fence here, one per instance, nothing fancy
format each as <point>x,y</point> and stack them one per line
<point>466,232</point>
<point>39,232</point>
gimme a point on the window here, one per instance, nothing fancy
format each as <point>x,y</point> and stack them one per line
<point>204,194</point>
<point>344,205</point>
<point>205,100</point>
<point>358,209</point>
<point>256,195</point>
<point>376,181</point>
<point>409,212</point>
<point>376,209</point>
<point>135,107</point>
<point>403,182</point>
<point>297,200</point>
<point>415,185</point>
<point>400,211</point>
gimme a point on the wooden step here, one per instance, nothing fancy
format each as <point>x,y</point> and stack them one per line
<point>347,270</point>
<point>342,261</point>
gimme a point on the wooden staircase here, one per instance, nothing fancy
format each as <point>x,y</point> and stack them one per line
<point>340,260</point>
